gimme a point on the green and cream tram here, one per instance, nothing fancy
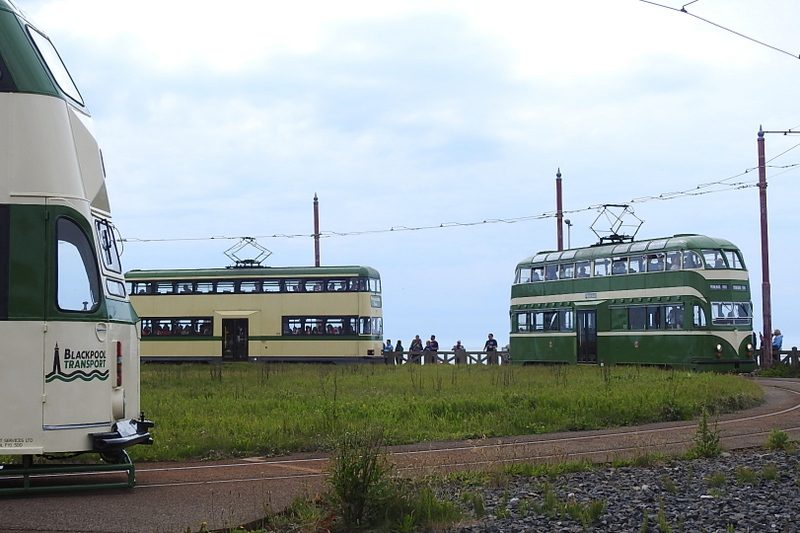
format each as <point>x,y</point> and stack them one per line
<point>681,301</point>
<point>70,353</point>
<point>310,314</point>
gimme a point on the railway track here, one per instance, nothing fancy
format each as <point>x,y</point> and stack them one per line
<point>227,493</point>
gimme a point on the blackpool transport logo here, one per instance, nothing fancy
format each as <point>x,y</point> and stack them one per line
<point>82,364</point>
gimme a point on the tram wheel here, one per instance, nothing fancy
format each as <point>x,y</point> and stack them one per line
<point>115,457</point>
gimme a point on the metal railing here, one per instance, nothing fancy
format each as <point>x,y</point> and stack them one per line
<point>453,357</point>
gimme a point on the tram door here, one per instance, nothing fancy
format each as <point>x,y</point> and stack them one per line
<point>587,336</point>
<point>234,339</point>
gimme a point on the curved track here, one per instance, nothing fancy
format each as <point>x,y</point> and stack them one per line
<point>174,496</point>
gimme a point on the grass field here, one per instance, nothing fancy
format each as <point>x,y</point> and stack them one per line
<point>207,411</point>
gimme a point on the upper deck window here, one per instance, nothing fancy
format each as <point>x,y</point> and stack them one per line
<point>691,260</point>
<point>54,64</point>
<point>601,267</point>
<point>734,259</point>
<point>714,259</point>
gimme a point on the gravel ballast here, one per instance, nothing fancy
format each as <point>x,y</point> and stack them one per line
<point>751,490</point>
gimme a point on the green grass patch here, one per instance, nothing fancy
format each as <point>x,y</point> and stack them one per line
<point>239,409</point>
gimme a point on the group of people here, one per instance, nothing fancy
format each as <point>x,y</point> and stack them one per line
<point>417,352</point>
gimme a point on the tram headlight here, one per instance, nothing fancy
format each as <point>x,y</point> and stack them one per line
<point>719,348</point>
<point>749,347</point>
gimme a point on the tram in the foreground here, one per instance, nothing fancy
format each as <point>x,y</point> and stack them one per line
<point>681,301</point>
<point>69,357</point>
<point>309,314</point>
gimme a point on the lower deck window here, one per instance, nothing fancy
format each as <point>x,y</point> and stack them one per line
<point>177,327</point>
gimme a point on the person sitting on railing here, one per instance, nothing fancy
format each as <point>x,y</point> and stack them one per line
<point>460,353</point>
<point>777,344</point>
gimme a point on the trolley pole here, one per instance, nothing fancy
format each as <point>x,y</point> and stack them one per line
<point>316,230</point>
<point>559,212</point>
<point>766,299</point>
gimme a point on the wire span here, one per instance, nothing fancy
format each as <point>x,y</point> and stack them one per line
<point>720,26</point>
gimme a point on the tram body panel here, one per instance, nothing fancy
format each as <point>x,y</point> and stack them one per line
<point>39,159</point>
<point>22,384</point>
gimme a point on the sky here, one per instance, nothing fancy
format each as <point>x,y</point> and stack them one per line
<point>224,119</point>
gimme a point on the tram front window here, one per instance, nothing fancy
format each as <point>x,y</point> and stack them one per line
<point>78,278</point>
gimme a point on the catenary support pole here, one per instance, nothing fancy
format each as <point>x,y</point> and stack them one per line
<point>766,299</point>
<point>316,230</point>
<point>559,213</point>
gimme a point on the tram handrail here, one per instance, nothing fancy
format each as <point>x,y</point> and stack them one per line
<point>457,357</point>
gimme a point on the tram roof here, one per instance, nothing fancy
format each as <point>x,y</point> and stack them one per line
<point>676,242</point>
<point>254,272</point>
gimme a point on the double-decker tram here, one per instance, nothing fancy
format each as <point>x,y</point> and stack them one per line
<point>310,314</point>
<point>70,359</point>
<point>681,301</point>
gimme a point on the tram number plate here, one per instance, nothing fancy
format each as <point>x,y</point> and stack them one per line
<point>590,296</point>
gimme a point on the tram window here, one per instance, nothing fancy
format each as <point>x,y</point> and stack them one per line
<point>270,285</point>
<point>204,327</point>
<point>377,325</point>
<point>734,259</point>
<point>551,320</point>
<point>165,287</point>
<point>349,325</point>
<point>566,271</point>
<point>115,288</point>
<point>537,323</point>
<point>699,317</point>
<point>523,275</point>
<point>225,286</point>
<point>163,327</point>
<point>521,321</point>
<point>108,246</point>
<point>140,287</point>
<point>538,273</point>
<point>601,267</point>
<point>374,285</point>
<point>714,259</point>
<point>653,317</point>
<point>743,313</point>
<point>292,326</point>
<point>183,327</point>
<point>568,254</point>
<point>78,279</point>
<point>566,320</point>
<point>248,286</point>
<point>336,285</point>
<point>551,272</point>
<point>722,313</point>
<point>657,245</point>
<point>334,326</point>
<point>619,265</point>
<point>619,318</point>
<point>674,316</point>
<point>673,260</point>
<point>365,326</point>
<point>620,248</point>
<point>636,317</point>
<point>147,327</point>
<point>204,287</point>
<point>313,326</point>
<point>655,263</point>
<point>582,269</point>
<point>636,264</point>
<point>55,65</point>
<point>639,246</point>
<point>691,260</point>
<point>185,287</point>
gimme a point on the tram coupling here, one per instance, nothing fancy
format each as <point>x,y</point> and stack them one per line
<point>125,433</point>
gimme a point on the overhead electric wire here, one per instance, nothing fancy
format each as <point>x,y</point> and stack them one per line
<point>711,187</point>
<point>720,26</point>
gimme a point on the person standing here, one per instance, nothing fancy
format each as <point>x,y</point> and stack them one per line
<point>388,351</point>
<point>433,349</point>
<point>415,350</point>
<point>490,347</point>
<point>398,353</point>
